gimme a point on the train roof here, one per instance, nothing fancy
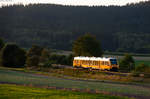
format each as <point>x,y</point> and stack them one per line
<point>93,58</point>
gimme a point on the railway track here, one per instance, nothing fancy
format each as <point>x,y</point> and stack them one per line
<point>94,70</point>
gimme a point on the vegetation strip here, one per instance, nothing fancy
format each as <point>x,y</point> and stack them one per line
<point>83,91</point>
<point>47,74</point>
<point>11,91</point>
<point>20,78</point>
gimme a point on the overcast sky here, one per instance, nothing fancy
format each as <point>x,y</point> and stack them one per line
<point>73,2</point>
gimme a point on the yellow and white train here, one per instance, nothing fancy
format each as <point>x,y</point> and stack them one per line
<point>96,63</point>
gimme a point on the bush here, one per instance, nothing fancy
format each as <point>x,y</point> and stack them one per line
<point>12,56</point>
<point>32,61</point>
<point>61,59</point>
<point>1,44</point>
<point>33,55</point>
<point>127,63</point>
<point>142,69</point>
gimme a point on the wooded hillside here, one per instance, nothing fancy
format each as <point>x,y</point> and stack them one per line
<point>118,28</point>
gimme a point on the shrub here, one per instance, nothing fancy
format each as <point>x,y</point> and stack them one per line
<point>142,69</point>
<point>1,44</point>
<point>33,55</point>
<point>12,56</point>
<point>44,58</point>
<point>61,59</point>
<point>127,63</point>
<point>32,61</point>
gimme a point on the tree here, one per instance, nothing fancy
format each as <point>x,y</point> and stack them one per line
<point>70,59</point>
<point>33,55</point>
<point>44,58</point>
<point>32,60</point>
<point>1,43</point>
<point>127,63</point>
<point>34,50</point>
<point>12,56</point>
<point>87,45</point>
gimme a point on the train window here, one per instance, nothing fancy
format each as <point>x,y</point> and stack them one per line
<point>106,63</point>
<point>96,62</point>
<point>92,62</point>
<point>102,62</point>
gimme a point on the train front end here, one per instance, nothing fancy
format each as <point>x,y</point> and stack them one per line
<point>114,64</point>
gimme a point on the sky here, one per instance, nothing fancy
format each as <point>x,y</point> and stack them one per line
<point>73,2</point>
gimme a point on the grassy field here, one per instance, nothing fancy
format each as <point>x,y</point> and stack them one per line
<point>23,92</point>
<point>7,76</point>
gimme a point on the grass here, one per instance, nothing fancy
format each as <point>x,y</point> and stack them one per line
<point>23,92</point>
<point>40,80</point>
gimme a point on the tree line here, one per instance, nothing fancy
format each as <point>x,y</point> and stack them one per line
<point>11,55</point>
<point>118,28</point>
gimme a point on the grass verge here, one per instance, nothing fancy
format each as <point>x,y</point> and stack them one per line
<point>22,92</point>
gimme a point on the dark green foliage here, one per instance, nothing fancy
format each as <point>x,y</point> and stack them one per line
<point>34,50</point>
<point>12,56</point>
<point>127,63</point>
<point>32,61</point>
<point>119,28</point>
<point>87,45</point>
<point>70,59</point>
<point>61,59</point>
<point>44,58</point>
<point>143,68</point>
<point>1,43</point>
<point>33,56</point>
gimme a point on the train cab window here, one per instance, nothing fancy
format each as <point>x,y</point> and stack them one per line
<point>113,61</point>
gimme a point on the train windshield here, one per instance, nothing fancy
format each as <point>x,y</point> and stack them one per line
<point>113,61</point>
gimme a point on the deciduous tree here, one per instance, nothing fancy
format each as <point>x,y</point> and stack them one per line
<point>127,63</point>
<point>87,45</point>
<point>12,56</point>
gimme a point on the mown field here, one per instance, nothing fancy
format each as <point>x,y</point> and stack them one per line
<point>17,77</point>
<point>8,91</point>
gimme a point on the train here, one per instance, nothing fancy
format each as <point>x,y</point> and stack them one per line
<point>100,63</point>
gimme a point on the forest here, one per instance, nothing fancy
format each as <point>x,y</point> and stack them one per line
<point>117,28</point>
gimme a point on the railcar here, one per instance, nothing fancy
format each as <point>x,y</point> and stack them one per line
<point>100,63</point>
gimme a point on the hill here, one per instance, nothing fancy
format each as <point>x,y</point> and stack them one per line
<point>118,28</point>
